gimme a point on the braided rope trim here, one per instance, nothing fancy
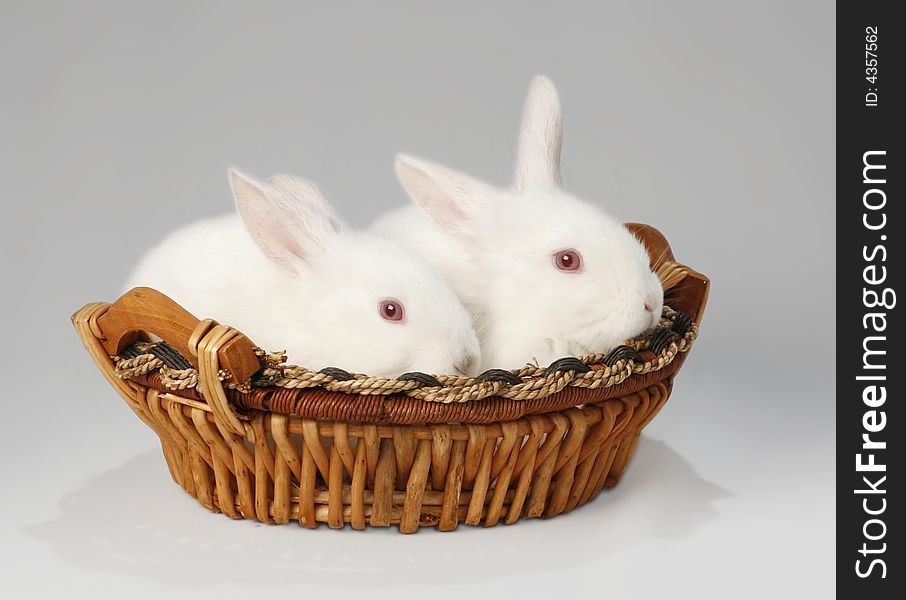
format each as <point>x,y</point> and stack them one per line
<point>172,379</point>
<point>636,356</point>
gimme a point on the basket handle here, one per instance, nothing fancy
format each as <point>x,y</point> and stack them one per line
<point>685,290</point>
<point>143,309</point>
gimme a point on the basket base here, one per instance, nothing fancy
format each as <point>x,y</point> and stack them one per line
<point>286,468</point>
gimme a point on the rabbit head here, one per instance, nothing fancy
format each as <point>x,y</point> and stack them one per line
<point>559,276</point>
<point>349,299</point>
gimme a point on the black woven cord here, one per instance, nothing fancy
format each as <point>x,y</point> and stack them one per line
<point>423,378</point>
<point>661,339</point>
<point>259,379</point>
<point>682,323</point>
<point>497,375</point>
<point>169,356</point>
<point>621,352</point>
<point>567,363</point>
<point>337,373</point>
<point>134,349</point>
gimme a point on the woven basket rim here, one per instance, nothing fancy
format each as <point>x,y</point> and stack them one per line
<point>648,353</point>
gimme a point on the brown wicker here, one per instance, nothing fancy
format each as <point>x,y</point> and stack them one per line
<point>252,438</point>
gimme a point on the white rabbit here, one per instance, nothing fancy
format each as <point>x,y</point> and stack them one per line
<point>288,273</point>
<point>545,274</point>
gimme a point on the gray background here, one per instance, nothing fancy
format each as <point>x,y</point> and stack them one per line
<point>712,120</point>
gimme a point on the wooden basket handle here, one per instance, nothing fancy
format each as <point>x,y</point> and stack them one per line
<point>145,310</point>
<point>685,290</point>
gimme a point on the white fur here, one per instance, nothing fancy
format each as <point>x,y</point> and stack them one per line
<point>496,246</point>
<point>292,276</point>
<point>540,138</point>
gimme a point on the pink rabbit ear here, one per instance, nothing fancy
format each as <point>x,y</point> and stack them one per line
<point>541,137</point>
<point>289,219</point>
<point>314,220</point>
<point>456,202</point>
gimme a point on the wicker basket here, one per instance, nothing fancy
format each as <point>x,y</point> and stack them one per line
<point>252,438</point>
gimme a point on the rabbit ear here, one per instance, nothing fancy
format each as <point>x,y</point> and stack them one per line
<point>456,202</point>
<point>541,136</point>
<point>288,218</point>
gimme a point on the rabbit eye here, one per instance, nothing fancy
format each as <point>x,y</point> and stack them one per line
<point>391,310</point>
<point>568,260</point>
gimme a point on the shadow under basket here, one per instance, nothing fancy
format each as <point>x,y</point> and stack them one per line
<point>253,438</point>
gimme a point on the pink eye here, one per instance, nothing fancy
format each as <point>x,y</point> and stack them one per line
<point>391,310</point>
<point>568,260</point>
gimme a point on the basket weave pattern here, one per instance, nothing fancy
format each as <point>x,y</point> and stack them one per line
<point>279,444</point>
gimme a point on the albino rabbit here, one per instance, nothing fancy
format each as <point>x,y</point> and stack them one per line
<point>289,274</point>
<point>545,274</point>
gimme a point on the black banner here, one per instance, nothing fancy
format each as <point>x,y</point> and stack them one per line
<point>870,228</point>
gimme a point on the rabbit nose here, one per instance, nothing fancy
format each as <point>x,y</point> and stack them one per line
<point>464,365</point>
<point>650,302</point>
